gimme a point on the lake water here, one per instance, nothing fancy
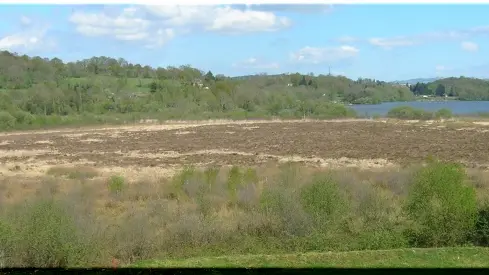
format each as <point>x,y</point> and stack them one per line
<point>457,107</point>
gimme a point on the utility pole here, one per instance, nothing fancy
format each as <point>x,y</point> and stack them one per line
<point>329,70</point>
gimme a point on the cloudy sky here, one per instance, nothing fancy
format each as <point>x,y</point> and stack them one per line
<point>376,41</point>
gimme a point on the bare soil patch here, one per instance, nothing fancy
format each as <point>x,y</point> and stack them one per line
<point>347,143</point>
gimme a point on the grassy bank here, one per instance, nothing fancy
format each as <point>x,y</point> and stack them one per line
<point>74,216</point>
<point>394,258</point>
<point>407,112</point>
<point>20,120</point>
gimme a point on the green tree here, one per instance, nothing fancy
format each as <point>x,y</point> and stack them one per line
<point>295,79</point>
<point>440,90</point>
<point>209,77</point>
<point>153,87</point>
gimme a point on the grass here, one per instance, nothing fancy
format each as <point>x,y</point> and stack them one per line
<point>408,112</point>
<point>395,258</point>
<point>77,172</point>
<point>290,215</point>
<point>116,184</point>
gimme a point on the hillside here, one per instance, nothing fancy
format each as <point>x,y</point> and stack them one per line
<point>39,91</point>
<point>463,88</point>
<point>34,88</point>
<point>416,80</point>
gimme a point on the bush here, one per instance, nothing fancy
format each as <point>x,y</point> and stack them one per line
<point>45,235</point>
<point>328,110</point>
<point>443,113</point>
<point>24,118</point>
<point>323,200</point>
<point>282,205</point>
<point>239,211</point>
<point>210,176</point>
<point>76,172</point>
<point>376,116</point>
<point>407,112</point>
<point>442,207</point>
<point>187,184</point>
<point>481,233</point>
<point>234,181</point>
<point>116,184</point>
<point>7,121</point>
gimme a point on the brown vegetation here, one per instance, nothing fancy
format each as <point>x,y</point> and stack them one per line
<point>326,144</point>
<point>130,195</point>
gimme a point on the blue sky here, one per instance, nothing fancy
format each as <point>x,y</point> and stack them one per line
<point>387,42</point>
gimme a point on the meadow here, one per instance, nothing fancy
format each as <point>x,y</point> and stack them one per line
<point>346,192</point>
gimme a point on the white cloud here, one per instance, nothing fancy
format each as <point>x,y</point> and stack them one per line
<point>429,37</point>
<point>18,40</point>
<point>24,20</point>
<point>254,63</point>
<point>347,39</point>
<point>220,19</point>
<point>161,37</point>
<point>27,39</point>
<point>129,25</point>
<point>469,46</point>
<point>155,25</point>
<point>235,21</point>
<point>121,26</point>
<point>315,55</point>
<point>389,43</point>
<point>442,70</point>
<point>297,8</point>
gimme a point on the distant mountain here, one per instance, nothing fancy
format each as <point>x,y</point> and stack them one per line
<point>416,80</point>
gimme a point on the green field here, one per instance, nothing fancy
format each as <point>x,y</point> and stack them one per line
<point>429,257</point>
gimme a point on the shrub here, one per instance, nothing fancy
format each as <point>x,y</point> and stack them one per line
<point>7,121</point>
<point>329,110</point>
<point>376,116</point>
<point>234,181</point>
<point>187,184</point>
<point>323,200</point>
<point>442,207</point>
<point>443,113</point>
<point>301,210</point>
<point>407,112</point>
<point>250,176</point>
<point>45,235</point>
<point>210,176</point>
<point>24,118</point>
<point>116,184</point>
<point>377,220</point>
<point>77,172</point>
<point>481,233</point>
<point>282,205</point>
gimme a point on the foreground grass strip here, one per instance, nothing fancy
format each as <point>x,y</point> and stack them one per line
<point>431,257</point>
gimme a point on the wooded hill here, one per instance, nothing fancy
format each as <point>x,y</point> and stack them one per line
<point>462,87</point>
<point>37,90</point>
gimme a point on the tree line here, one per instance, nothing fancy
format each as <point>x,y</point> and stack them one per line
<point>462,88</point>
<point>36,90</point>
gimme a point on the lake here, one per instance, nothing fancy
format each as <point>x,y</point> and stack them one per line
<point>457,107</point>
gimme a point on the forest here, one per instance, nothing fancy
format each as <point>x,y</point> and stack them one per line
<point>38,91</point>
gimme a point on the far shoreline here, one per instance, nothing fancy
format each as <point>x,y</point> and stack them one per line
<point>147,124</point>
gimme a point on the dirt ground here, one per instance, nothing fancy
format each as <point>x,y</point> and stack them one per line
<point>159,148</point>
